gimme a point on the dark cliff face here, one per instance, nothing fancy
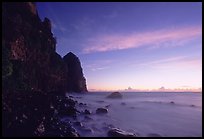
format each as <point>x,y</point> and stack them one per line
<point>76,81</point>
<point>34,76</point>
<point>29,57</point>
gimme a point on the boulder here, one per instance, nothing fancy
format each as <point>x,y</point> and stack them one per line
<point>115,95</point>
<point>101,111</point>
<point>87,111</point>
<point>115,132</point>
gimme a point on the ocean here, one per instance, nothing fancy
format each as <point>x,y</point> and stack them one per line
<point>142,113</point>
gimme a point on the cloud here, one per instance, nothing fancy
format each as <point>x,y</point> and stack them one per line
<point>185,86</point>
<point>174,62</point>
<point>84,24</point>
<point>153,38</point>
<point>162,88</point>
<point>99,65</point>
<point>99,68</point>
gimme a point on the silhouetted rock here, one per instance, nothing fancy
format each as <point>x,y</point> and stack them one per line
<point>115,95</point>
<point>101,110</point>
<point>82,104</point>
<point>87,111</point>
<point>115,132</point>
<point>75,79</point>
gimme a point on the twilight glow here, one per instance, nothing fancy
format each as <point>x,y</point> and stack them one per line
<point>131,46</point>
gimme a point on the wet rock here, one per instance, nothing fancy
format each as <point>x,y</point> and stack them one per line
<point>57,128</point>
<point>115,132</point>
<point>101,111</point>
<point>154,135</point>
<point>70,111</point>
<point>82,104</point>
<point>115,95</point>
<point>74,134</point>
<point>172,102</point>
<point>71,96</point>
<point>87,111</point>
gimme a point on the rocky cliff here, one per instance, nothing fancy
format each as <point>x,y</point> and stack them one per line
<point>76,81</point>
<point>34,76</point>
<point>29,57</point>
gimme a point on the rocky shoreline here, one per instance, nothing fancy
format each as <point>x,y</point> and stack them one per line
<point>34,113</point>
<point>35,78</point>
<point>37,114</point>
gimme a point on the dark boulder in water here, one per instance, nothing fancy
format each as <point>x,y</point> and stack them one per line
<point>101,110</point>
<point>115,132</point>
<point>115,95</point>
<point>87,111</point>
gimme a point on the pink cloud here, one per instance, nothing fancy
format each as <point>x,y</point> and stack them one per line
<point>181,62</point>
<point>135,40</point>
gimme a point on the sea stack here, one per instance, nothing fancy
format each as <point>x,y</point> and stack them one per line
<point>76,81</point>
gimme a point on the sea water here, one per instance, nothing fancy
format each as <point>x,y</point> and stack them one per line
<point>143,113</point>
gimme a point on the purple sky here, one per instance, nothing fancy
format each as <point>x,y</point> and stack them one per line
<point>134,44</point>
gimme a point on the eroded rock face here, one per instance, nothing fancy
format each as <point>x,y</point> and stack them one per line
<point>37,78</point>
<point>76,81</point>
<point>31,46</point>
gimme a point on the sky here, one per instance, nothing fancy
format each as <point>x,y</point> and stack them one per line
<point>131,45</point>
